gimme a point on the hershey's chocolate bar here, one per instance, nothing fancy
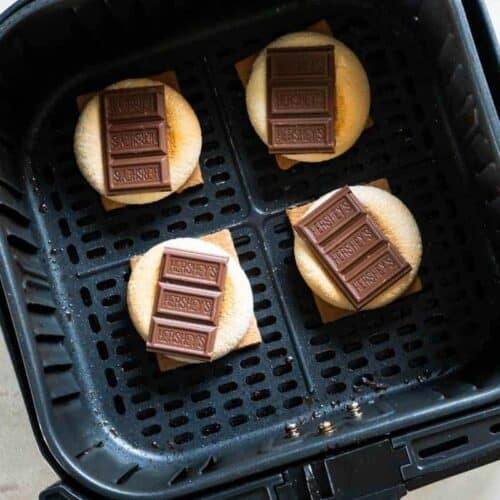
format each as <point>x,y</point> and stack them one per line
<point>134,140</point>
<point>352,248</point>
<point>187,305</point>
<point>301,99</point>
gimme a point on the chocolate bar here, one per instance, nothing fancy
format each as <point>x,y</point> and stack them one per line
<point>187,305</point>
<point>300,99</point>
<point>361,261</point>
<point>134,140</point>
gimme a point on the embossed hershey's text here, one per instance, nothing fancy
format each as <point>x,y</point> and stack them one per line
<point>349,250</point>
<point>194,268</point>
<point>135,174</point>
<point>300,134</point>
<point>332,218</point>
<point>381,269</point>
<point>300,99</point>
<point>131,140</point>
<point>182,338</point>
<point>125,104</point>
<point>187,303</point>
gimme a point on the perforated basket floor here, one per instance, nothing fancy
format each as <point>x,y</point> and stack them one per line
<point>302,366</point>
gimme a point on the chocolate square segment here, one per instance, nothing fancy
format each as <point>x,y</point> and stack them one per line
<point>136,103</point>
<point>169,336</point>
<point>188,302</point>
<point>134,140</point>
<point>301,99</point>
<point>346,240</point>
<point>193,267</point>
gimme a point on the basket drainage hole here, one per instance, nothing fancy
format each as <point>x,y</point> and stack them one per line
<point>233,403</point>
<point>390,371</point>
<point>178,421</point>
<point>277,353</point>
<point>145,414</point>
<point>94,323</point>
<point>282,369</point>
<point>85,295</point>
<point>183,438</point>
<point>324,338</point>
<point>102,350</point>
<point>141,397</point>
<point>262,304</point>
<point>124,243</point>
<point>199,202</point>
<point>265,411</point>
<point>110,377</point>
<point>261,394</point>
<point>351,347</point>
<point>385,354</point>
<point>407,329</point>
<point>357,363</point>
<point>205,217</point>
<point>223,371</point>
<point>271,337</point>
<point>129,364</point>
<point>443,447</point>
<point>230,209</point>
<point>331,371</point>
<point>238,420</point>
<point>412,345</point>
<point>151,429</point>
<point>230,386</point>
<point>178,476</point>
<point>219,178</point>
<point>225,193</point>
<point>246,256</point>
<point>150,235</point>
<point>200,396</point>
<point>64,227</point>
<point>418,361</point>
<point>495,428</point>
<point>336,388</point>
<point>379,338</point>
<point>73,254</point>
<point>325,356</point>
<point>206,412</point>
<point>293,402</point>
<point>209,465</point>
<point>120,406</point>
<point>176,227</point>
<point>173,405</point>
<point>253,273</point>
<point>92,236</point>
<point>255,378</point>
<point>105,284</point>
<point>128,475</point>
<point>248,362</point>
<point>56,200</point>
<point>289,385</point>
<point>240,241</point>
<point>111,300</point>
<point>211,429</point>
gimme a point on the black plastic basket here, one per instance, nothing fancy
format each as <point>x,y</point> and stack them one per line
<point>423,369</point>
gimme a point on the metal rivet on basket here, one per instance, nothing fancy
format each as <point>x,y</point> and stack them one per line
<point>292,430</point>
<point>354,409</point>
<point>326,427</point>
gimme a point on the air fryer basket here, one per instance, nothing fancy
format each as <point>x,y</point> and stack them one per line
<point>111,420</point>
